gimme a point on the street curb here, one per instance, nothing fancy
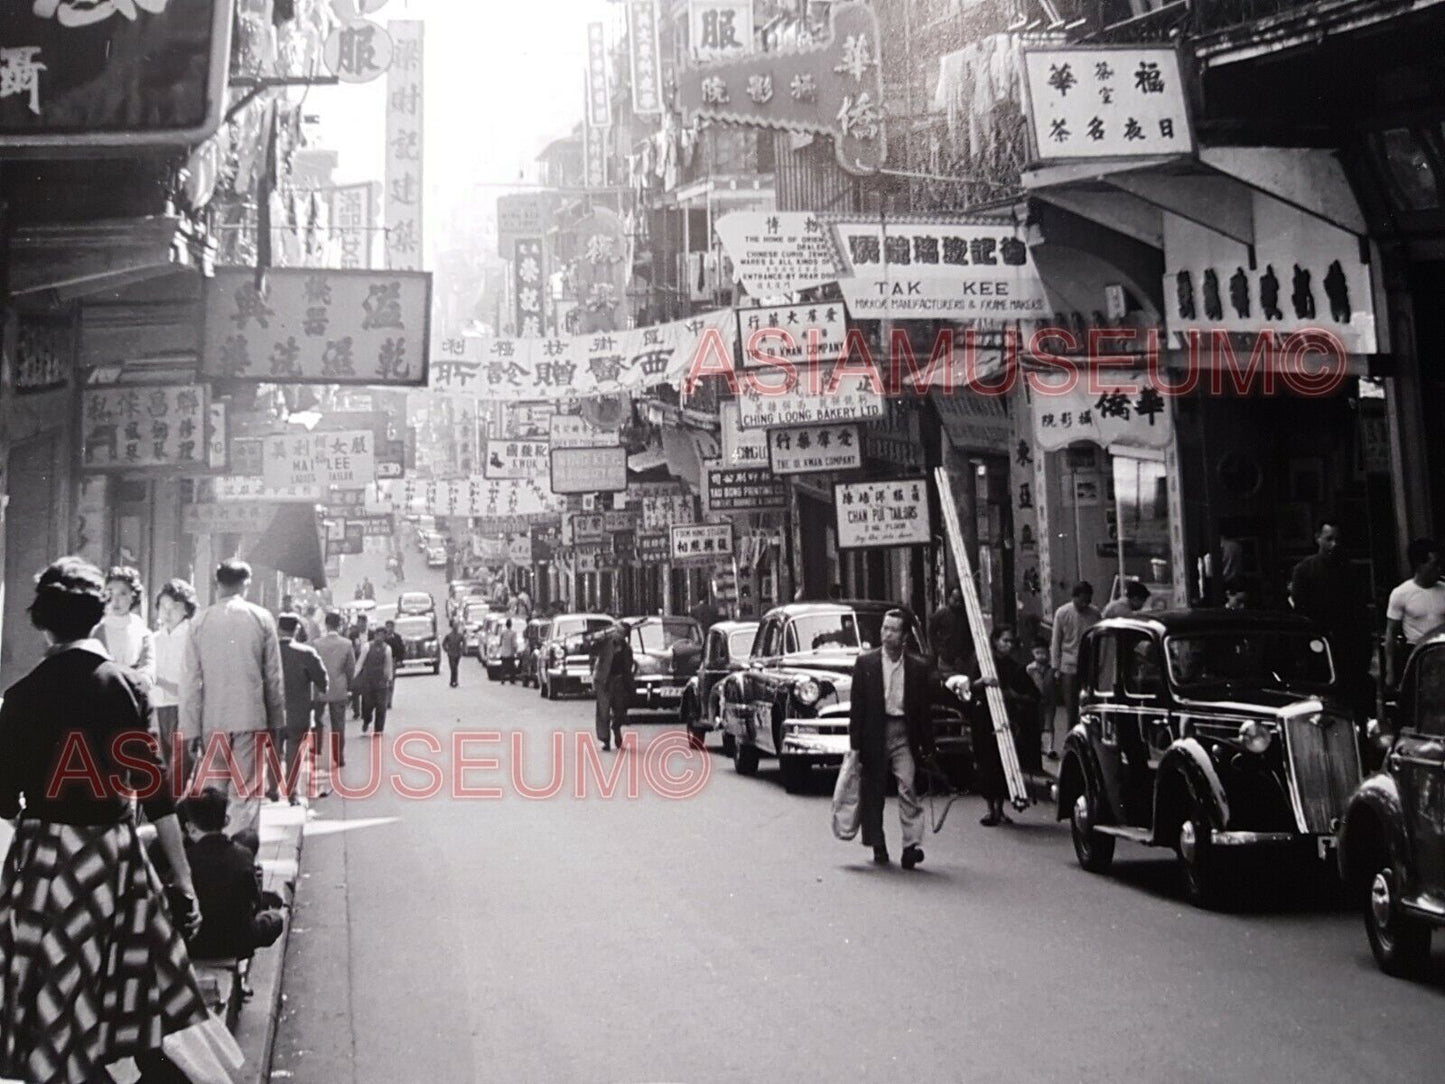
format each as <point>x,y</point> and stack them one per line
<point>282,834</point>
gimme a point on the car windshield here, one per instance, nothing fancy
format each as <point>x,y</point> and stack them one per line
<point>1264,658</point>
<point>476,613</point>
<point>415,604</point>
<point>656,637</point>
<point>575,626</point>
<point>415,628</point>
<point>740,643</point>
<point>824,632</point>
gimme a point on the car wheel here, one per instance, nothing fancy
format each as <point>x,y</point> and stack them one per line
<point>1094,850</point>
<point>794,773</point>
<point>1401,944</point>
<point>745,758</point>
<point>1200,862</point>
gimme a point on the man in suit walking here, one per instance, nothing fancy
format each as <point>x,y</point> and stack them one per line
<point>612,683</point>
<point>890,727</point>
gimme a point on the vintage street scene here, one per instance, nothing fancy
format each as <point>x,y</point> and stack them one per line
<point>638,541</point>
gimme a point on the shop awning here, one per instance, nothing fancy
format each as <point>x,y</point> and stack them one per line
<point>292,544</point>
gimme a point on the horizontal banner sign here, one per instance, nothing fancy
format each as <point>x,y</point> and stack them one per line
<point>743,489</point>
<point>133,428</point>
<point>476,496</point>
<point>233,487</point>
<point>882,514</point>
<point>652,548</point>
<point>589,470</point>
<point>809,402</point>
<point>815,450</point>
<point>304,325</point>
<point>381,526</point>
<point>517,459</point>
<point>575,431</point>
<point>343,459</point>
<point>702,542</point>
<point>230,518</point>
<point>798,334</point>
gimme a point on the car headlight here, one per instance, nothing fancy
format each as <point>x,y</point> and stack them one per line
<point>808,692</point>
<point>1255,736</point>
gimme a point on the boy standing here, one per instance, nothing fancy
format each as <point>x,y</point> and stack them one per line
<point>1043,676</point>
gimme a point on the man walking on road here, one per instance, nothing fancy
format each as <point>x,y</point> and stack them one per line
<point>374,681</point>
<point>302,670</point>
<point>397,647</point>
<point>454,644</point>
<point>339,656</point>
<point>1325,587</point>
<point>888,724</point>
<point>1416,609</point>
<point>232,686</point>
<point>612,681</point>
<point>1071,621</point>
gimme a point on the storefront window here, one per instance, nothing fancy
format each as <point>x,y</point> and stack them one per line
<point>1141,528</point>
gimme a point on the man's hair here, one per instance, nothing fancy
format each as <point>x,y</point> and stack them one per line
<point>900,615</point>
<point>233,573</point>
<point>69,599</point>
<point>1322,524</point>
<point>131,578</point>
<point>1083,587</point>
<point>288,624</point>
<point>1420,551</point>
<point>1000,631</point>
<point>333,620</point>
<point>391,624</point>
<point>207,810</point>
<point>1135,589</point>
<point>182,592</point>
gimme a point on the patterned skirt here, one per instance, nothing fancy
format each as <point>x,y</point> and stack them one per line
<point>91,969</point>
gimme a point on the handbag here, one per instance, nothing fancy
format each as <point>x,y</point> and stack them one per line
<point>848,796</point>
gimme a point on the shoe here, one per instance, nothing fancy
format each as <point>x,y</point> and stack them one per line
<point>993,820</point>
<point>1004,818</point>
<point>323,794</point>
<point>618,739</point>
<point>912,856</point>
<point>607,747</point>
<point>880,856</point>
<point>273,796</point>
<point>293,800</point>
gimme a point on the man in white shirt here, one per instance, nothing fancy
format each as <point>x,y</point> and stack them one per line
<point>1071,621</point>
<point>1416,608</point>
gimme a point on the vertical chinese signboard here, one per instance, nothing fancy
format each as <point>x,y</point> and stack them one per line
<point>351,226</point>
<point>530,287</point>
<point>645,56</point>
<point>721,29</point>
<point>132,428</point>
<point>404,147</point>
<point>599,91</point>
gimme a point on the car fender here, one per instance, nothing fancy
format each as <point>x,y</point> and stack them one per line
<point>1188,761</point>
<point>1375,810</point>
<point>1079,772</point>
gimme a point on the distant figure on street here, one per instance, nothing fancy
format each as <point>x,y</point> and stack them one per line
<point>288,606</point>
<point>374,680</point>
<point>339,656</point>
<point>122,630</point>
<point>454,643</point>
<point>398,658</point>
<point>367,590</point>
<point>1136,597</point>
<point>889,725</point>
<point>1021,699</point>
<point>507,652</point>
<point>706,613</point>
<point>613,682</point>
<point>1324,587</point>
<point>360,635</point>
<point>233,686</point>
<point>305,678</point>
<point>1416,609</point>
<point>1042,675</point>
<point>949,634</point>
<point>1071,621</point>
<point>175,606</point>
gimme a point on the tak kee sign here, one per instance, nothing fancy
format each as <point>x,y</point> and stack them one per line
<point>835,88</point>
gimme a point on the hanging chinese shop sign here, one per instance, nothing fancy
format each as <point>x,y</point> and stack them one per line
<point>508,503</point>
<point>522,214</point>
<point>797,334</point>
<point>705,542</point>
<point>318,327</point>
<point>741,447</point>
<point>815,450</point>
<point>344,539</point>
<point>357,51</point>
<point>218,445</point>
<point>345,459</point>
<point>575,431</point>
<point>779,252</point>
<point>582,366</point>
<point>742,489</point>
<point>938,271</point>
<point>85,74</point>
<point>351,225</point>
<point>1107,102</point>
<point>813,399</point>
<point>720,29</point>
<point>374,526</point>
<point>44,353</point>
<point>244,488</point>
<point>230,518</point>
<point>662,505</point>
<point>876,515</point>
<point>834,88</point>
<point>516,459</point>
<point>530,286</point>
<point>404,142</point>
<point>1122,409</point>
<point>645,54</point>
<point>602,269</point>
<point>599,89</point>
<point>595,156</point>
<point>589,470</point>
<point>135,428</point>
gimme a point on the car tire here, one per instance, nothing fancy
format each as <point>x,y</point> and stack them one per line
<point>1401,944</point>
<point>1093,849</point>
<point>1200,863</point>
<point>794,773</point>
<point>745,758</point>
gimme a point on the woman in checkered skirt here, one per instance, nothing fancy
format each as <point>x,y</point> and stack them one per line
<point>93,970</point>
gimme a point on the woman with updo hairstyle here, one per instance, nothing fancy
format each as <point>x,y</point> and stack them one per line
<point>122,630</point>
<point>175,605</point>
<point>92,965</point>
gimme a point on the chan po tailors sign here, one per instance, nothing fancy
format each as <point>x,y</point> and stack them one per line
<point>1107,102</point>
<point>832,88</point>
<point>780,252</point>
<point>815,450</point>
<point>86,73</point>
<point>878,515</point>
<point>702,543</point>
<point>742,489</point>
<point>515,459</point>
<point>308,326</point>
<point>136,427</point>
<point>939,271</point>
<point>589,470</point>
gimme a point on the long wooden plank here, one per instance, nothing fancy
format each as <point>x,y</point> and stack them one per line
<point>983,648</point>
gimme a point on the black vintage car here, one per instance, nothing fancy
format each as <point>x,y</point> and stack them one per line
<point>1392,843</point>
<point>665,656</point>
<point>792,699</point>
<point>725,651</point>
<point>1210,733</point>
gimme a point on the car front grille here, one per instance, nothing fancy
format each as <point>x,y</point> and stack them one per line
<point>1326,764</point>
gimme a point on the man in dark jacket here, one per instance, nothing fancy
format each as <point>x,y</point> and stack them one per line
<point>1325,587</point>
<point>228,886</point>
<point>889,724</point>
<point>612,681</point>
<point>453,644</point>
<point>305,677</point>
<point>949,634</point>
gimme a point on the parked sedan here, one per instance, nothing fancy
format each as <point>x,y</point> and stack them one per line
<point>436,557</point>
<point>1392,842</point>
<point>473,616</point>
<point>665,656</point>
<point>566,660</point>
<point>422,647</point>
<point>725,651</point>
<point>1210,733</point>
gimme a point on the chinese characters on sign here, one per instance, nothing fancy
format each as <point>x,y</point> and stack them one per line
<point>1131,413</point>
<point>244,488</point>
<point>721,29</point>
<point>311,326</point>
<point>599,90</point>
<point>231,518</point>
<point>923,271</point>
<point>742,489</point>
<point>219,441</point>
<point>516,459</point>
<point>575,431</point>
<point>589,470</point>
<point>646,57</point>
<point>811,402</point>
<point>779,252</point>
<point>43,351</point>
<point>404,146</point>
<point>1105,102</point>
<point>814,450</point>
<point>351,225</point>
<point>531,288</point>
<point>705,542</point>
<point>138,427</point>
<point>595,153</point>
<point>801,334</point>
<point>357,51</point>
<point>663,505</point>
<point>474,497</point>
<point>882,514</point>
<point>325,459</point>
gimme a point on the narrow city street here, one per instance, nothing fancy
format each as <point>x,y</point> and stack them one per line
<point>731,937</point>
